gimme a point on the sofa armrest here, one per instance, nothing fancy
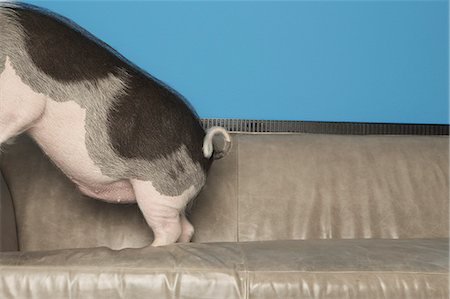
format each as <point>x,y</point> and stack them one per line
<point>8,232</point>
<point>416,268</point>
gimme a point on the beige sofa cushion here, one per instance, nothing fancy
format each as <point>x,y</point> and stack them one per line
<point>306,186</point>
<point>8,233</point>
<point>271,186</point>
<point>271,269</point>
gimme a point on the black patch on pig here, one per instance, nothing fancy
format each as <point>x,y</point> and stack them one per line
<point>179,166</point>
<point>63,50</point>
<point>150,121</point>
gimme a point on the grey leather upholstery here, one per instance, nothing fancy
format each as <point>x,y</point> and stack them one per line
<point>8,238</point>
<point>409,268</point>
<point>321,216</point>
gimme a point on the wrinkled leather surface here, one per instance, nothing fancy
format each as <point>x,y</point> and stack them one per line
<point>214,213</point>
<point>306,186</point>
<point>8,234</point>
<point>271,269</point>
<point>271,186</point>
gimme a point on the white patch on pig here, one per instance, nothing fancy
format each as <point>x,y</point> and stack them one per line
<point>58,127</point>
<point>20,106</point>
<point>61,134</point>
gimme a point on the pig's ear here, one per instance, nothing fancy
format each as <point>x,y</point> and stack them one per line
<point>217,143</point>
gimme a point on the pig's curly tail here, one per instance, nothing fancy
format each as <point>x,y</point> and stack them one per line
<point>217,143</point>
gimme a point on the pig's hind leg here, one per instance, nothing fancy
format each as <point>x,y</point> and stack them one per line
<point>187,230</point>
<point>161,212</point>
<point>20,106</point>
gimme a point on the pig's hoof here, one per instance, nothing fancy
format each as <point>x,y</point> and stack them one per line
<point>157,244</point>
<point>168,235</point>
<point>187,230</point>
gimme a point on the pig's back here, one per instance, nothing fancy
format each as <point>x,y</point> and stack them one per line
<point>135,125</point>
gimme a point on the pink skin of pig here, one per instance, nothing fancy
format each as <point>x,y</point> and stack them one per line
<point>59,129</point>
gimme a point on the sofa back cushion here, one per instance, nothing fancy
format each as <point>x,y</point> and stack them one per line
<point>8,233</point>
<point>330,186</point>
<point>271,186</point>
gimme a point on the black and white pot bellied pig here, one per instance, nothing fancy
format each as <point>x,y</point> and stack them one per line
<point>118,133</point>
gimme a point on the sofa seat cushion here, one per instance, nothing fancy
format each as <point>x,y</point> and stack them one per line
<point>364,268</point>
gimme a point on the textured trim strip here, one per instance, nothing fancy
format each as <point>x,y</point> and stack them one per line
<point>318,127</point>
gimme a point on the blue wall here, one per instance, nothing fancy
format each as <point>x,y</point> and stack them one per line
<point>373,61</point>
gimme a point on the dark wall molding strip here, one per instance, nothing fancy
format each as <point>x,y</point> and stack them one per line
<point>319,127</point>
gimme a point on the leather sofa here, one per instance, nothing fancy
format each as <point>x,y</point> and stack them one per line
<point>282,216</point>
